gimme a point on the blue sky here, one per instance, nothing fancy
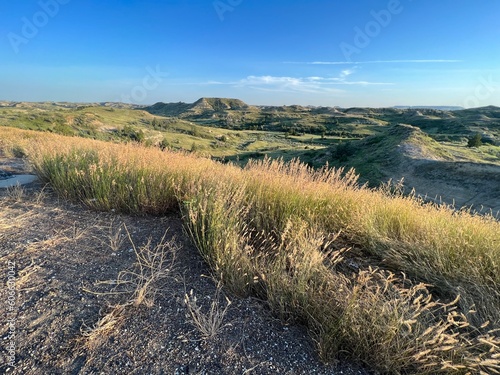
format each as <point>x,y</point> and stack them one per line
<point>357,53</point>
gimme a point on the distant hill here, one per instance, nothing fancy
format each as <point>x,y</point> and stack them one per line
<point>66,105</point>
<point>489,111</point>
<point>201,106</point>
<point>219,104</point>
<point>169,109</point>
<point>371,155</point>
<point>438,107</point>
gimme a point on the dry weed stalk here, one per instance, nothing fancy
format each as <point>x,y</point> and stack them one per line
<point>93,337</point>
<point>211,322</point>
<point>25,274</point>
<point>140,283</point>
<point>153,263</point>
<point>150,267</point>
<point>41,195</point>
<point>116,237</point>
<point>16,192</point>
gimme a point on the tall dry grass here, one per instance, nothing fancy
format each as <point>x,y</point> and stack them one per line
<point>456,252</point>
<point>265,231</point>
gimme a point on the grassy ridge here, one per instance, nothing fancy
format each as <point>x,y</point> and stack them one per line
<point>266,230</point>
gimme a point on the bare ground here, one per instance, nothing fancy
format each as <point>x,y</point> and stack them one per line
<point>69,322</point>
<point>459,183</point>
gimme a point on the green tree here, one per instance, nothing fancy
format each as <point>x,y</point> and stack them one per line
<point>475,141</point>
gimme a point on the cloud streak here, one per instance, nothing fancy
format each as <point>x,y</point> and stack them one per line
<point>373,62</point>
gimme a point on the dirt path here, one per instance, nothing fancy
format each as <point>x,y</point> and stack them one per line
<point>59,252</point>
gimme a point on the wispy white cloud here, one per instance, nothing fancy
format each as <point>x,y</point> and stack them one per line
<point>373,62</point>
<point>289,84</point>
<point>346,72</point>
<point>272,80</point>
<point>361,83</point>
<point>313,84</point>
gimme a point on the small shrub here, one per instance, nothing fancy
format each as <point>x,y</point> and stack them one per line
<point>63,130</point>
<point>164,144</point>
<point>343,151</point>
<point>195,132</point>
<point>132,134</point>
